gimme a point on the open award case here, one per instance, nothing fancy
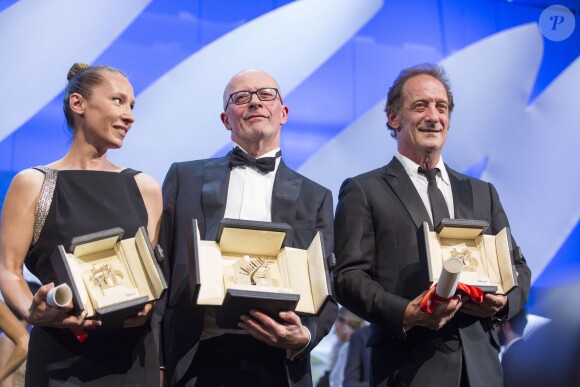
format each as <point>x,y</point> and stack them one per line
<point>249,267</point>
<point>110,278</point>
<point>487,259</point>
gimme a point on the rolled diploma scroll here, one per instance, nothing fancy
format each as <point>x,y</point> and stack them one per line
<point>449,277</point>
<point>59,296</point>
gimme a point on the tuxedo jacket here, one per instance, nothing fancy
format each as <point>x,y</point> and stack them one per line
<point>198,190</point>
<point>378,273</point>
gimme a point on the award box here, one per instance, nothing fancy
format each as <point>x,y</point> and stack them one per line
<point>487,259</point>
<point>110,278</point>
<point>250,267</point>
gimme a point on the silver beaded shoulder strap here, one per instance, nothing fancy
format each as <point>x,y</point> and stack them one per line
<point>44,201</point>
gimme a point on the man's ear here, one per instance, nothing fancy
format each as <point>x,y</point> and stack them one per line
<point>226,120</point>
<point>77,103</point>
<point>393,119</point>
<point>285,111</point>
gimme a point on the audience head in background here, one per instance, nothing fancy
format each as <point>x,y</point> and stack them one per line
<point>346,322</point>
<point>514,328</point>
<point>254,112</point>
<point>418,108</point>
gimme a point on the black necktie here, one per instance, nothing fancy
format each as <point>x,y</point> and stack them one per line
<point>239,158</point>
<point>439,208</point>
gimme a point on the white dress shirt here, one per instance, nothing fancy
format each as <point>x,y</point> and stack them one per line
<point>250,192</point>
<point>249,197</point>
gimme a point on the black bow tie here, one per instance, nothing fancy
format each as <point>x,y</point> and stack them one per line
<point>239,158</point>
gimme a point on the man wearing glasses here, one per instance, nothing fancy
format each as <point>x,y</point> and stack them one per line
<point>251,182</point>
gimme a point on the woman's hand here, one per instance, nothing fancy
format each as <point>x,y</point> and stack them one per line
<point>40,314</point>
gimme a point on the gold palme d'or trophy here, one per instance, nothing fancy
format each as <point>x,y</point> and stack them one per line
<point>108,283</point>
<point>253,271</point>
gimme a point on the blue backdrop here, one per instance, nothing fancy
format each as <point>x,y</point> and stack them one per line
<point>514,77</point>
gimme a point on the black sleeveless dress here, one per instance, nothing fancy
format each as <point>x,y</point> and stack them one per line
<point>85,202</point>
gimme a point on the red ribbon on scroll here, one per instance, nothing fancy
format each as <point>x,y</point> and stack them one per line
<point>427,304</point>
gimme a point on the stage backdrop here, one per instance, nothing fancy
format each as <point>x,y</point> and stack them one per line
<point>513,66</point>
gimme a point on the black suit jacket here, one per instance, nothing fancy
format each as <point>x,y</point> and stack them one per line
<point>515,370</point>
<point>358,363</point>
<point>198,190</point>
<point>378,272</point>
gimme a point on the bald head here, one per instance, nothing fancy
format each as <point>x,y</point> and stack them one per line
<point>255,119</point>
<point>249,76</point>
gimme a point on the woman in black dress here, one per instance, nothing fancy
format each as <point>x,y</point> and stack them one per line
<point>79,194</point>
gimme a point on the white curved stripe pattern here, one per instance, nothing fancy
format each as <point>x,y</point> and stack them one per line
<point>542,178</point>
<point>40,40</point>
<point>529,147</point>
<point>181,110</point>
<point>364,145</point>
<point>527,159</point>
<point>490,95</point>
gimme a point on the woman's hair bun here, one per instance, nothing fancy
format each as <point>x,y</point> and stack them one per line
<point>75,69</point>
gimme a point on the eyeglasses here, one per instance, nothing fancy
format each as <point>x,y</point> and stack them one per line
<point>243,97</point>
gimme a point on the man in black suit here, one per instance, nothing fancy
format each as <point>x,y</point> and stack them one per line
<point>378,274</point>
<point>358,361</point>
<point>514,356</point>
<point>195,351</point>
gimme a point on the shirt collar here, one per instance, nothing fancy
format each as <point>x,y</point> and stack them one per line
<point>412,167</point>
